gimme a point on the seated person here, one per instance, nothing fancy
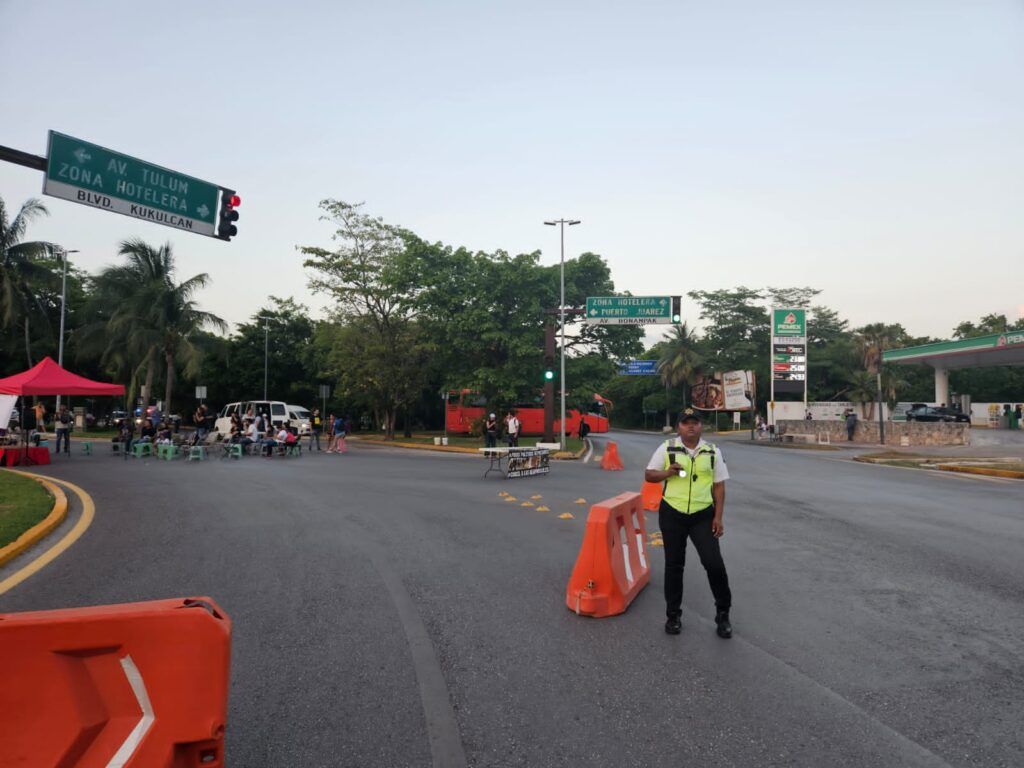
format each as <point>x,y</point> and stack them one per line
<point>269,444</point>
<point>148,432</point>
<point>250,435</point>
<point>163,436</point>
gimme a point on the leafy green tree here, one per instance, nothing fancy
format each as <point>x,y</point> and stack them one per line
<point>679,363</point>
<point>369,277</point>
<point>20,272</point>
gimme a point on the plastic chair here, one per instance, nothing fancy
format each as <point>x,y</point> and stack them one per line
<point>87,448</point>
<point>142,449</point>
<point>196,453</point>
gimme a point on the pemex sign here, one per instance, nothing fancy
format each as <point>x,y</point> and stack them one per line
<point>789,322</point>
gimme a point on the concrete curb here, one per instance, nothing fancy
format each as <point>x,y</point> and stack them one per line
<point>1010,473</point>
<point>40,529</point>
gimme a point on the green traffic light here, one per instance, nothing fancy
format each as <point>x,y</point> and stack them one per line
<point>549,375</point>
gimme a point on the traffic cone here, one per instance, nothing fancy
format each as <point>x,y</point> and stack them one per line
<point>651,495</point>
<point>611,459</point>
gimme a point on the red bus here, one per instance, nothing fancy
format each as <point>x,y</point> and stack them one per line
<point>467,410</point>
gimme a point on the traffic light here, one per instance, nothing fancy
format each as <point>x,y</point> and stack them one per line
<point>229,201</point>
<point>677,309</point>
<point>549,374</point>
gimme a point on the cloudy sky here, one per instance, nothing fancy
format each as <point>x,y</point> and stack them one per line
<point>873,149</point>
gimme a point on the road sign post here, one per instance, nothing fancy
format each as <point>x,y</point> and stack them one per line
<point>631,310</point>
<point>89,174</point>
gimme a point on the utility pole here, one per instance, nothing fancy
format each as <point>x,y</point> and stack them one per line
<point>266,351</point>
<point>63,302</point>
<point>561,304</point>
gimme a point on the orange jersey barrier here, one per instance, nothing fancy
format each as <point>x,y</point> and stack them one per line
<point>651,495</point>
<point>611,459</point>
<point>138,685</point>
<point>612,566</point>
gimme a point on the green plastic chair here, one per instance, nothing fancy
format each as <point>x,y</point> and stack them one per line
<point>142,449</point>
<point>87,448</point>
<point>196,453</point>
<point>235,451</point>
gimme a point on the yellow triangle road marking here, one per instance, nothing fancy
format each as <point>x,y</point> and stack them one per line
<point>526,504</point>
<point>566,516</point>
<point>543,509</point>
<point>536,496</point>
<point>511,498</point>
<point>656,543</point>
<point>503,493</point>
<point>580,501</point>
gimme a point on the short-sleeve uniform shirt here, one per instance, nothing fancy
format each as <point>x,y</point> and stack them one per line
<point>658,459</point>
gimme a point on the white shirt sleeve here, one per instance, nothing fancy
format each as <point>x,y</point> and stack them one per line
<point>658,459</point>
<point>721,471</point>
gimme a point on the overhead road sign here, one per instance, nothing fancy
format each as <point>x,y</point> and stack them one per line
<point>638,368</point>
<point>632,310</point>
<point>87,173</point>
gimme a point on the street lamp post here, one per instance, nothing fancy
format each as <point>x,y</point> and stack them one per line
<point>561,313</point>
<point>63,301</point>
<point>266,351</point>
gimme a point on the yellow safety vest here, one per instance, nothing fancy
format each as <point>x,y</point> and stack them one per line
<point>691,493</point>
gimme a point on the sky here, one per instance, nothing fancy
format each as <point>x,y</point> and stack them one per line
<point>873,150</point>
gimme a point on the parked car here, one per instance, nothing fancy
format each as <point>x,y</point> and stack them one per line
<point>276,410</point>
<point>300,418</point>
<point>920,412</point>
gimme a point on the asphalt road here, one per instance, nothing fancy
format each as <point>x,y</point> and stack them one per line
<point>391,609</point>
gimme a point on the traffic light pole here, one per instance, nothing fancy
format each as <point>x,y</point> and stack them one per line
<point>549,385</point>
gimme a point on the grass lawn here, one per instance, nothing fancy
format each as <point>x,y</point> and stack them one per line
<point>23,503</point>
<point>574,443</point>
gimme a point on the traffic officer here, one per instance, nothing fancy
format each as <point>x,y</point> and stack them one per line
<point>693,474</point>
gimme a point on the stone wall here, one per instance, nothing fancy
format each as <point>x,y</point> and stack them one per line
<point>918,432</point>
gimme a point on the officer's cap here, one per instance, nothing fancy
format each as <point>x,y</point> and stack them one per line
<point>688,415</point>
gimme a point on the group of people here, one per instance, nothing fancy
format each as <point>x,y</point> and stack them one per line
<point>256,431</point>
<point>510,424</point>
<point>337,428</point>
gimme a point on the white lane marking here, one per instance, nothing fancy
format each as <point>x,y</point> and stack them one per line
<point>590,451</point>
<point>127,749</point>
<point>625,554</point>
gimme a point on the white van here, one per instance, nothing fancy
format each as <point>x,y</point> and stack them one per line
<point>275,410</point>
<point>300,418</point>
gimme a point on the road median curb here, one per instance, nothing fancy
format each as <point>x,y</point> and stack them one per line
<point>990,472</point>
<point>560,455</point>
<point>43,527</point>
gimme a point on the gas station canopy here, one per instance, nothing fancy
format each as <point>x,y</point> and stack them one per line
<point>944,356</point>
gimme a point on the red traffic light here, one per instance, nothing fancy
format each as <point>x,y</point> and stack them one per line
<point>234,201</point>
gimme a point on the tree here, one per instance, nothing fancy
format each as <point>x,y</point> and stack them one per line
<point>679,363</point>
<point>19,268</point>
<point>369,277</point>
<point>151,316</point>
<point>873,339</point>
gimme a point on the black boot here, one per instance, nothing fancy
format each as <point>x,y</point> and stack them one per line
<point>673,626</point>
<point>724,627</point>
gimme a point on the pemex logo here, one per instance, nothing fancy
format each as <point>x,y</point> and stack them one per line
<point>790,319</point>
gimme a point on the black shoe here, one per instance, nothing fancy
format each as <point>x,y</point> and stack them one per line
<point>724,627</point>
<point>673,626</point>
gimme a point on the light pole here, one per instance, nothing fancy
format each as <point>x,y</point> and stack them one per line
<point>266,351</point>
<point>63,301</point>
<point>561,313</point>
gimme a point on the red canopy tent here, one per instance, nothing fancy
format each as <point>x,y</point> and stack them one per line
<point>48,378</point>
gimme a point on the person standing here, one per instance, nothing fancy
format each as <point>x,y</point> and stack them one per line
<point>339,435</point>
<point>851,424</point>
<point>316,426</point>
<point>62,424</point>
<point>199,419</point>
<point>491,431</point>
<point>513,427</point>
<point>330,433</point>
<point>693,502</point>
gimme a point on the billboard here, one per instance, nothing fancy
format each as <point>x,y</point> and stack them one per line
<point>789,351</point>
<point>722,391</point>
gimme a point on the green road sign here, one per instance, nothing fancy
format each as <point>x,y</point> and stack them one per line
<point>86,173</point>
<point>629,310</point>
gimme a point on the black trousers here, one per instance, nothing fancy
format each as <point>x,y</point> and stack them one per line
<point>675,528</point>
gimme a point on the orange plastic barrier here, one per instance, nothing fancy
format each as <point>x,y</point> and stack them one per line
<point>612,566</point>
<point>135,685</point>
<point>651,495</point>
<point>611,459</point>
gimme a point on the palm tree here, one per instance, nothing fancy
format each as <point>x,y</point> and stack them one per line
<point>862,391</point>
<point>679,363</point>
<point>19,269</point>
<point>873,340</point>
<point>154,316</point>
